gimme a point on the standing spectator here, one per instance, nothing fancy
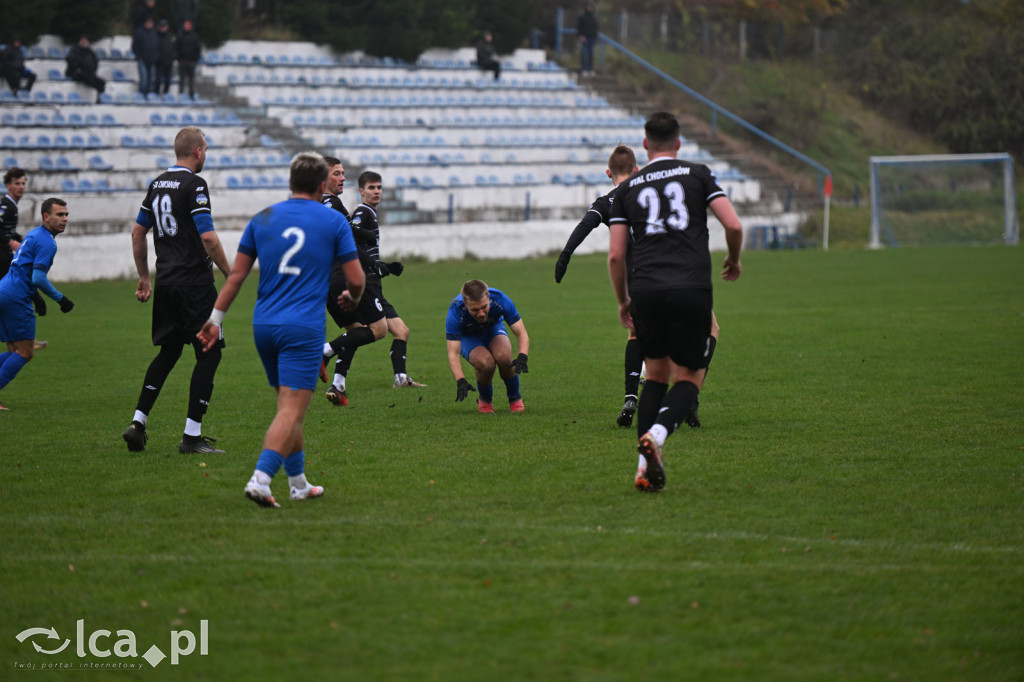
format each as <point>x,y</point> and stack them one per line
<point>144,45</point>
<point>189,52</point>
<point>662,210</point>
<point>165,54</point>
<point>475,329</point>
<point>296,242</point>
<point>486,58</point>
<point>16,181</point>
<point>26,276</point>
<point>82,64</point>
<point>182,11</point>
<point>12,65</point>
<point>177,210</point>
<point>586,28</point>
<point>147,10</point>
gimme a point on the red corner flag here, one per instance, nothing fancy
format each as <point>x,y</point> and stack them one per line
<point>828,185</point>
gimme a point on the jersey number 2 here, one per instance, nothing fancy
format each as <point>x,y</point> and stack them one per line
<point>678,217</point>
<point>299,236</point>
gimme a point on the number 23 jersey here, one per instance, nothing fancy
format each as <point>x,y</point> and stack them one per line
<point>177,211</point>
<point>665,206</point>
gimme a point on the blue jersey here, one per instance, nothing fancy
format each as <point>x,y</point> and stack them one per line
<point>36,253</point>
<point>460,323</point>
<point>296,241</point>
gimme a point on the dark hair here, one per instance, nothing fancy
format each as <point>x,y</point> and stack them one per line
<point>13,174</point>
<point>47,206</point>
<point>332,161</point>
<point>366,177</point>
<point>474,290</point>
<point>622,161</point>
<point>307,172</point>
<point>661,130</point>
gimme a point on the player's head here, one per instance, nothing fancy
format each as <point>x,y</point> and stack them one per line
<point>16,181</point>
<point>55,215</point>
<point>307,174</point>
<point>335,175</point>
<point>190,148</point>
<point>477,297</point>
<point>621,164</point>
<point>661,132</point>
<point>370,188</point>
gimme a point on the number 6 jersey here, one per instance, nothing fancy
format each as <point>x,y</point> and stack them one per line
<point>177,210</point>
<point>665,206</point>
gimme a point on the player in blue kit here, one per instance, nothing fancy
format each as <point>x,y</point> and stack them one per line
<point>475,329</point>
<point>26,276</point>
<point>296,242</point>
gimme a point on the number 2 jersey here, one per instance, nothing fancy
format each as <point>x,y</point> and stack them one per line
<point>665,206</point>
<point>177,211</point>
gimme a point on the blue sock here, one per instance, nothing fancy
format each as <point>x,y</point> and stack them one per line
<point>269,462</point>
<point>295,464</point>
<point>12,365</point>
<point>486,392</point>
<point>512,387</point>
<point>3,357</point>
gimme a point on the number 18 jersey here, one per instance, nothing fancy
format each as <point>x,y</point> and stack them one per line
<point>665,206</point>
<point>177,210</point>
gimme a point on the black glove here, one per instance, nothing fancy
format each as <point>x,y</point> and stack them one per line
<point>396,268</point>
<point>39,303</point>
<point>65,305</point>
<point>560,266</point>
<point>382,269</point>
<point>520,364</point>
<point>462,389</point>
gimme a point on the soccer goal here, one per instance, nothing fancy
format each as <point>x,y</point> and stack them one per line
<point>943,199</point>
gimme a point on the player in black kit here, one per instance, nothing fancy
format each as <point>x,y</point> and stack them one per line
<point>177,211</point>
<point>367,234</point>
<point>363,325</point>
<point>662,210</point>
<point>15,180</point>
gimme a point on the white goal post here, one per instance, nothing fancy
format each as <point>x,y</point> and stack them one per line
<point>943,198</point>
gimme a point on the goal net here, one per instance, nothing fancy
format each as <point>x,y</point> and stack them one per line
<point>943,199</point>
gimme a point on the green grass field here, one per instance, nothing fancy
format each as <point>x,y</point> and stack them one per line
<point>851,508</point>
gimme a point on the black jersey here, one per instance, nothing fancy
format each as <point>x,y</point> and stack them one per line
<point>8,220</point>
<point>334,201</point>
<point>174,200</point>
<point>367,235</point>
<point>665,206</point>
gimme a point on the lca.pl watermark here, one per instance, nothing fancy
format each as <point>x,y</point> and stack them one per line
<point>98,644</point>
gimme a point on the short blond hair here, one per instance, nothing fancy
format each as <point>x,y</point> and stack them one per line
<point>187,141</point>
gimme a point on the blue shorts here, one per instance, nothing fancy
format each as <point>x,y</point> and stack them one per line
<point>17,320</point>
<point>291,355</point>
<point>471,341</point>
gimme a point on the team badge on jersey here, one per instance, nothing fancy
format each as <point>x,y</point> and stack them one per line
<point>201,199</point>
<point>358,219</point>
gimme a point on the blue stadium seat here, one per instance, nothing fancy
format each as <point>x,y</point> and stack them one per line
<point>46,164</point>
<point>67,185</point>
<point>85,185</point>
<point>10,162</point>
<point>97,163</point>
<point>64,164</point>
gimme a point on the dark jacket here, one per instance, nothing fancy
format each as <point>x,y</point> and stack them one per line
<point>12,59</point>
<point>81,60</point>
<point>587,25</point>
<point>189,48</point>
<point>144,45</point>
<point>165,48</point>
<point>484,52</point>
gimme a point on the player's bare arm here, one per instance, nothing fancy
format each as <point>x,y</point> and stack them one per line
<point>215,250</point>
<point>726,214</point>
<point>140,250</point>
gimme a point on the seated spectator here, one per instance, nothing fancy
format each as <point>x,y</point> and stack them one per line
<point>486,58</point>
<point>12,66</point>
<point>82,66</point>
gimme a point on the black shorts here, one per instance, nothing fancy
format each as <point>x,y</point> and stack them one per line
<point>676,323</point>
<point>180,311</point>
<point>370,309</point>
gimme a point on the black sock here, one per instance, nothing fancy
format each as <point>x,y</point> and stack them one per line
<point>649,405</point>
<point>398,356</point>
<point>634,362</point>
<point>156,375</point>
<point>678,403</point>
<point>201,387</point>
<point>344,362</point>
<point>360,336</point>
<point>712,342</point>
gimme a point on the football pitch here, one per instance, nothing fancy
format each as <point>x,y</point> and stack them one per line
<point>851,508</point>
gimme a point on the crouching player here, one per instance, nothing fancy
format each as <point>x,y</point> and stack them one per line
<point>475,329</point>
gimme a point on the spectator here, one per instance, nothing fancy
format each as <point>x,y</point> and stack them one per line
<point>145,11</point>
<point>189,51</point>
<point>144,45</point>
<point>12,65</point>
<point>165,53</point>
<point>486,58</point>
<point>586,28</point>
<point>82,65</point>
<point>182,11</point>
